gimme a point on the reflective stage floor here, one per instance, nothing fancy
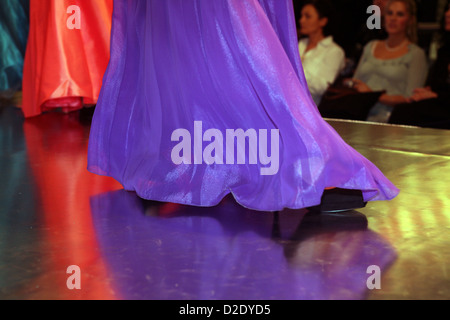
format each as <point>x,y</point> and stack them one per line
<point>55,214</point>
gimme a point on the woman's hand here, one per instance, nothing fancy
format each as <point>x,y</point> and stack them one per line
<point>360,86</point>
<point>420,94</point>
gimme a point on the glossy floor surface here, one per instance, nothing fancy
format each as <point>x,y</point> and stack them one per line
<point>54,214</point>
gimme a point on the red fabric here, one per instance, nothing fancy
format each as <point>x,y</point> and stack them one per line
<point>62,63</point>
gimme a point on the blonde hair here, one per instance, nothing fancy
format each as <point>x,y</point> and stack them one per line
<point>411,8</point>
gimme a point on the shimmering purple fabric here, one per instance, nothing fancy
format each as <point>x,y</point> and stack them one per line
<point>230,64</point>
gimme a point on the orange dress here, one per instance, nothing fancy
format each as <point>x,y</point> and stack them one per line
<point>67,54</point>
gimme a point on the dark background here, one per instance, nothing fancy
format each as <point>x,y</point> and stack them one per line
<point>351,17</point>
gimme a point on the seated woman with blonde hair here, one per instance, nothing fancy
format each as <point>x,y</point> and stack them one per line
<point>430,106</point>
<point>395,65</point>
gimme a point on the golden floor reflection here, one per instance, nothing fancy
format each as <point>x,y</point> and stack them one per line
<point>417,222</point>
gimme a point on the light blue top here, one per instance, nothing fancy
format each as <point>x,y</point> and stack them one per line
<point>399,76</point>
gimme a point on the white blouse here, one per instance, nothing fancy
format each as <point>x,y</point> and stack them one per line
<point>321,65</point>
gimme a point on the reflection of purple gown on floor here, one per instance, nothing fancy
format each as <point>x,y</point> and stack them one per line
<point>228,252</point>
<point>230,64</point>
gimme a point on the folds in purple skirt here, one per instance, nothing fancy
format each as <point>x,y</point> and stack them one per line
<point>205,98</point>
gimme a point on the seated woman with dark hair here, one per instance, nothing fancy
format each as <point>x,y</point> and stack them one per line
<point>430,106</point>
<point>321,57</point>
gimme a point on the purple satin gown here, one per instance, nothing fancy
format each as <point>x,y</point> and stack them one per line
<point>185,73</point>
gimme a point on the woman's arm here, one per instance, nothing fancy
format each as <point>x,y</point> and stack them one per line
<point>364,57</point>
<point>417,72</point>
<point>390,100</point>
<point>422,94</point>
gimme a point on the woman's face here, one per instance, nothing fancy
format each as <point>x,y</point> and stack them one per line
<point>397,18</point>
<point>310,22</point>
